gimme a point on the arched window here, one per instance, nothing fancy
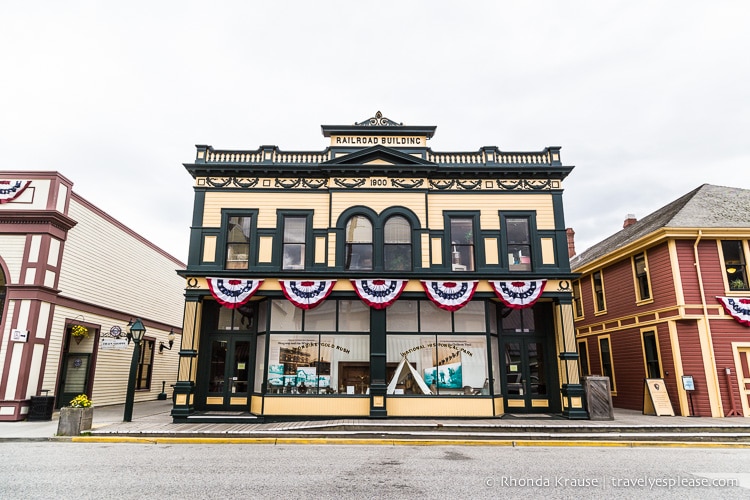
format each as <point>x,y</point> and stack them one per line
<point>397,241</point>
<point>358,244</point>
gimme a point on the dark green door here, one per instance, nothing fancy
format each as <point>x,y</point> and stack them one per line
<point>526,375</point>
<point>227,375</point>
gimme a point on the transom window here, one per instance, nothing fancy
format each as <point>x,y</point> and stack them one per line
<point>238,242</point>
<point>462,243</point>
<point>294,242</point>
<point>358,244</point>
<point>734,264</point>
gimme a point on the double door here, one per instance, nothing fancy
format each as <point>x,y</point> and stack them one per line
<point>227,381</point>
<point>526,374</point>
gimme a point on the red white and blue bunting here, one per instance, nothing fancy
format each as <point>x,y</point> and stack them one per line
<point>518,294</point>
<point>379,293</point>
<point>232,293</point>
<point>450,295</point>
<point>738,308</point>
<point>307,294</point>
<point>10,190</point>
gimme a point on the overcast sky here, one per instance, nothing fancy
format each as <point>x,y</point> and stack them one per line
<point>647,99</point>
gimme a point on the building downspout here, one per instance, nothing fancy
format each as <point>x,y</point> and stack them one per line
<point>714,396</point>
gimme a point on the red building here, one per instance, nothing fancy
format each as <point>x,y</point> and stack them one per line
<point>668,297</point>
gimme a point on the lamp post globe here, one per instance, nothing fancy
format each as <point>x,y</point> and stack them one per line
<point>137,331</point>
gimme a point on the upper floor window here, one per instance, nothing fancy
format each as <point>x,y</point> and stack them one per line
<point>519,243</point>
<point>462,243</point>
<point>293,255</point>
<point>641,277</point>
<point>577,301</point>
<point>358,244</point>
<point>598,284</point>
<point>397,244</point>
<point>734,264</point>
<point>238,242</point>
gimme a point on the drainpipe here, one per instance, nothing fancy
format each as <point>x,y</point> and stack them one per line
<point>713,377</point>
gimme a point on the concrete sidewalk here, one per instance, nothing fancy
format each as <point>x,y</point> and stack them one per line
<point>152,420</point>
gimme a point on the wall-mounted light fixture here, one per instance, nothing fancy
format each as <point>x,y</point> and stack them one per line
<point>170,338</point>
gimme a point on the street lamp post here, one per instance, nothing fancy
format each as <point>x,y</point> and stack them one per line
<point>137,331</point>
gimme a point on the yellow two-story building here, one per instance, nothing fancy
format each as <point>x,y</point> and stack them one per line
<point>377,278</point>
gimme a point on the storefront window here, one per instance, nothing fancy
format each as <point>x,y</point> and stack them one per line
<point>354,316</point>
<point>236,319</point>
<point>401,316</point>
<point>434,319</point>
<point>260,355</point>
<point>285,316</point>
<point>470,318</point>
<point>437,364</point>
<point>318,364</point>
<point>321,318</point>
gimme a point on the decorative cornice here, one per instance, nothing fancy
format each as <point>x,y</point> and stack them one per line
<point>37,217</point>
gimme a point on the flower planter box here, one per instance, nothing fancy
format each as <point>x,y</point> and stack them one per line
<point>73,421</point>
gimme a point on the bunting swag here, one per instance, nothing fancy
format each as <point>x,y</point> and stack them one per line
<point>450,295</point>
<point>379,294</point>
<point>518,294</point>
<point>307,294</point>
<point>10,190</point>
<point>738,308</point>
<point>232,293</point>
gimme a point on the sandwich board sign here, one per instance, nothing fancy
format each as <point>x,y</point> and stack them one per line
<point>656,398</point>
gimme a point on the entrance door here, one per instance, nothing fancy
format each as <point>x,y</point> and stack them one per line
<point>227,383</point>
<point>525,378</point>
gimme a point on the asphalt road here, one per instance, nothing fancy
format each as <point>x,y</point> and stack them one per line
<point>100,470</point>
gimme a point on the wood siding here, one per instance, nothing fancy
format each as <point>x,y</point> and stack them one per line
<point>11,252</point>
<point>267,203</point>
<point>489,205</point>
<point>108,267</point>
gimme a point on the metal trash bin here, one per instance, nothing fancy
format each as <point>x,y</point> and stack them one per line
<point>41,408</point>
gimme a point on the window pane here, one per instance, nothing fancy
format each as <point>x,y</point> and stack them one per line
<point>583,358</point>
<point>260,356</point>
<point>470,318</point>
<point>462,363</point>
<point>518,231</point>
<point>294,256</point>
<point>359,257</point>
<point>397,257</point>
<point>434,319</point>
<point>321,318</point>
<point>285,316</point>
<point>462,244</point>
<point>359,230</point>
<point>354,316</point>
<point>734,262</point>
<point>419,352</point>
<point>462,231</point>
<point>239,229</point>
<point>397,230</point>
<point>401,316</point>
<point>294,229</point>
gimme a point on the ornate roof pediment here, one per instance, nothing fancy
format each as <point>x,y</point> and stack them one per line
<point>378,155</point>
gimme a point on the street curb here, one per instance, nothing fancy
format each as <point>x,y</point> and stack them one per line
<point>403,442</point>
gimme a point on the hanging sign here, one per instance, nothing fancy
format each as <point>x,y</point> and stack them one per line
<point>307,294</point>
<point>450,295</point>
<point>518,294</point>
<point>10,190</point>
<point>656,398</point>
<point>738,308</point>
<point>378,293</point>
<point>232,293</point>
